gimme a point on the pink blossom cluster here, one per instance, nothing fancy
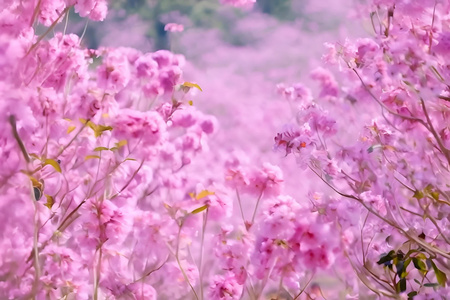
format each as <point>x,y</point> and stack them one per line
<point>103,195</point>
<point>375,132</point>
<point>173,27</point>
<point>239,3</point>
<point>19,15</point>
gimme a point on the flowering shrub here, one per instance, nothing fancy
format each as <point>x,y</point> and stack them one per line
<point>377,135</point>
<point>94,147</point>
<point>110,189</point>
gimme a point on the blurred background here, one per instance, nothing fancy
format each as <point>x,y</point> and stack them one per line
<point>237,56</point>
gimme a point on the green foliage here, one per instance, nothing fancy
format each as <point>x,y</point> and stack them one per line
<point>280,9</point>
<point>202,13</point>
<point>205,14</point>
<point>397,262</point>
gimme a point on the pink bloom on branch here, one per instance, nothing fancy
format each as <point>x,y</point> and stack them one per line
<point>134,125</point>
<point>294,139</point>
<point>50,11</point>
<point>278,219</point>
<point>146,66</point>
<point>94,9</point>
<point>174,27</point>
<point>298,92</point>
<point>329,86</point>
<point>114,74</point>
<point>268,179</point>
<point>318,258</point>
<point>225,287</point>
<point>443,46</point>
<point>377,202</point>
<point>239,3</point>
<point>209,125</point>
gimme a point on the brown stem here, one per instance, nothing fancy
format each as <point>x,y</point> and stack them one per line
<point>73,139</point>
<point>48,30</point>
<point>406,233</point>
<point>444,150</point>
<point>12,121</point>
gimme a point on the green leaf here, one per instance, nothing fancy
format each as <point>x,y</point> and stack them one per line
<point>431,284</point>
<point>429,188</point>
<point>419,264</point>
<point>203,194</point>
<point>121,143</point>
<point>401,268</point>
<point>401,285</point>
<point>405,267</point>
<point>200,209</point>
<point>101,149</point>
<point>34,181</point>
<point>421,255</point>
<point>440,276</point>
<point>50,201</point>
<point>386,257</point>
<point>54,164</point>
<point>411,294</point>
<point>418,195</point>
<point>435,195</point>
<point>91,157</point>
<point>99,129</point>
<point>70,129</point>
<point>192,85</point>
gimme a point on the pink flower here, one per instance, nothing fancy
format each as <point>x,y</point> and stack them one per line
<point>377,202</point>
<point>443,46</point>
<point>318,257</point>
<point>278,218</point>
<point>267,180</point>
<point>239,3</point>
<point>147,127</point>
<point>114,74</point>
<point>225,287</point>
<point>294,139</point>
<point>50,11</point>
<point>173,27</point>
<point>94,9</point>
<point>328,84</point>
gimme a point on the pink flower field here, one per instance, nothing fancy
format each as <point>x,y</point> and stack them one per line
<point>224,149</point>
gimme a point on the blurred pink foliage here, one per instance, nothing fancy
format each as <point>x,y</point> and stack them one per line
<point>239,3</point>
<point>173,27</point>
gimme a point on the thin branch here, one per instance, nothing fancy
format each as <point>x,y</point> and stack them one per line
<point>48,30</point>
<point>444,150</point>
<point>12,121</point>
<point>303,289</point>
<point>152,271</point>
<point>406,233</point>
<point>73,139</point>
<point>129,181</point>
<point>384,106</point>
